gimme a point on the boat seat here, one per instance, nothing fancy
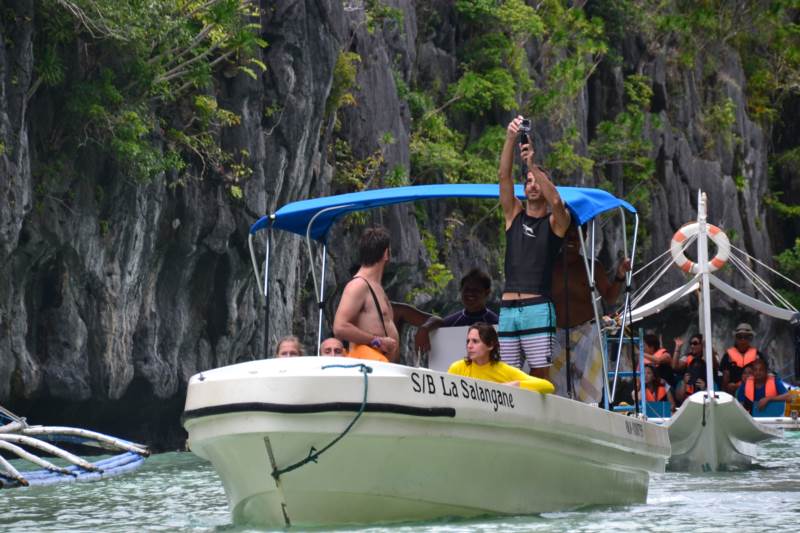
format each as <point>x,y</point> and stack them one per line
<point>659,410</point>
<point>772,409</point>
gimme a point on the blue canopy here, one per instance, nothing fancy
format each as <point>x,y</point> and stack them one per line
<point>583,203</point>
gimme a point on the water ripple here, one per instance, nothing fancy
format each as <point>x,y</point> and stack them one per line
<point>180,492</point>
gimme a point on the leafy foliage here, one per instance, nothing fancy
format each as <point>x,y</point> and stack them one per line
<point>571,48</point>
<point>719,120</point>
<point>344,79</point>
<point>378,13</point>
<point>492,56</point>
<point>144,94</point>
<point>621,144</point>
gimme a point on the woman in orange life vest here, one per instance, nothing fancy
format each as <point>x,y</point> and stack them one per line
<point>655,388</point>
<point>659,357</point>
<point>761,389</point>
<point>737,357</point>
<point>695,351</point>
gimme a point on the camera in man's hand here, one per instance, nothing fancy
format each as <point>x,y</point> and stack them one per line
<point>524,131</point>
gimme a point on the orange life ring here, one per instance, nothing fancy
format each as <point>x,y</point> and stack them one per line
<point>689,230</point>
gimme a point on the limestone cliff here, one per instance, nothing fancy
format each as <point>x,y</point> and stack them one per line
<point>115,292</point>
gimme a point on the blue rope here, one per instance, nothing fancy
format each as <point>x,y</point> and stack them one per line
<point>313,454</point>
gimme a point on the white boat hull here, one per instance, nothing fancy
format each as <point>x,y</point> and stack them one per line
<point>718,436</point>
<point>421,450</point>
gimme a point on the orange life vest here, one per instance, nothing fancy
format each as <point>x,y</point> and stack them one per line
<point>769,388</point>
<point>660,396</point>
<point>689,359</point>
<point>362,351</point>
<point>740,360</point>
<point>689,389</point>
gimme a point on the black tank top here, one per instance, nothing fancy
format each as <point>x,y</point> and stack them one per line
<point>531,250</point>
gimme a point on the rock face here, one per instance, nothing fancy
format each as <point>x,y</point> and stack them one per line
<point>110,302</point>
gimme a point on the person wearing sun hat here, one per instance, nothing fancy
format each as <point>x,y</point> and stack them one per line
<point>738,356</point>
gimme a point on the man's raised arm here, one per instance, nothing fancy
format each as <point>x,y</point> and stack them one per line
<point>509,202</point>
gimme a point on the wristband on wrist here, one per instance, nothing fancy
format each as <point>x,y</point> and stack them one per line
<point>375,342</point>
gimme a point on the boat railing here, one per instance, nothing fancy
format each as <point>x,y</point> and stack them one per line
<point>639,406</point>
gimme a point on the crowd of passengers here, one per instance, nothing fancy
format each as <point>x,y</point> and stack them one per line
<point>743,371</point>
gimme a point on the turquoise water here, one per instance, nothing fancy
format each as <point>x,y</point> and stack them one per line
<point>180,492</point>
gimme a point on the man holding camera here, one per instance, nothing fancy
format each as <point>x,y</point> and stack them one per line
<point>534,233</point>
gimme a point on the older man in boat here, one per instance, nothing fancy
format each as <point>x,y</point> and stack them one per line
<point>364,316</point>
<point>483,362</point>
<point>332,346</point>
<point>534,233</point>
<point>738,356</point>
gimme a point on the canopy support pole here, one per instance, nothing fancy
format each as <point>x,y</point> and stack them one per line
<point>626,307</point>
<point>266,293</point>
<point>595,299</point>
<point>319,290</point>
<point>321,297</point>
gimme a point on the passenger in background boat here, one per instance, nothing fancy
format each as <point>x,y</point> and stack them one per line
<point>658,357</point>
<point>573,301</point>
<point>761,389</point>
<point>476,287</point>
<point>534,234</point>
<point>364,315</point>
<point>332,346</point>
<point>738,356</point>
<point>657,389</point>
<point>483,362</point>
<point>289,346</point>
<point>694,380</point>
<point>692,366</point>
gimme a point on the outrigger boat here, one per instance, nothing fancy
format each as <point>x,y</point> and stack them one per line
<point>326,440</point>
<point>712,431</point>
<point>18,438</point>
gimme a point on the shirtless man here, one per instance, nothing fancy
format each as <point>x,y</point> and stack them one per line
<point>534,233</point>
<point>364,317</point>
<point>573,302</point>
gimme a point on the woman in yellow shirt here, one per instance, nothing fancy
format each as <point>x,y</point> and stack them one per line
<point>483,362</point>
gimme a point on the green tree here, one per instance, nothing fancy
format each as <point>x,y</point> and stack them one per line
<point>144,92</point>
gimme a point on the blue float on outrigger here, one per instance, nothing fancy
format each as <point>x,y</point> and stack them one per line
<point>17,438</point>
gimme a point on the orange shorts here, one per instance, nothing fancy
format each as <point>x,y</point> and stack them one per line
<point>362,351</point>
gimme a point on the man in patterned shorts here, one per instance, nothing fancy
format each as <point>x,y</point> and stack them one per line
<point>534,234</point>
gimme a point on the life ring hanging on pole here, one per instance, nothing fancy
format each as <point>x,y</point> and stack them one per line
<point>690,230</point>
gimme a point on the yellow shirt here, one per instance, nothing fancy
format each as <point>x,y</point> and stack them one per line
<point>499,372</point>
